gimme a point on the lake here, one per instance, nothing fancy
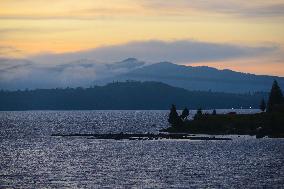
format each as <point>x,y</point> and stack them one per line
<point>32,158</point>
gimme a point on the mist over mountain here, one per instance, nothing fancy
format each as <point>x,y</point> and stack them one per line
<point>129,63</point>
<point>24,74</point>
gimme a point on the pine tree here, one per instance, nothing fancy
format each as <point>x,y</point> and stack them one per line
<point>185,113</point>
<point>275,97</point>
<point>199,111</point>
<point>198,114</point>
<point>262,105</point>
<point>173,117</point>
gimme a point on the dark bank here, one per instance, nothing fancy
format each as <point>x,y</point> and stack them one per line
<point>269,122</point>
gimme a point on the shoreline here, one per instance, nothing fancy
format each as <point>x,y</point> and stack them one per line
<point>259,125</point>
<point>123,136</point>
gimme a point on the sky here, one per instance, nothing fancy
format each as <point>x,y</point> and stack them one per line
<point>242,35</point>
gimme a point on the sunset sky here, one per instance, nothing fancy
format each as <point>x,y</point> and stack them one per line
<point>255,28</point>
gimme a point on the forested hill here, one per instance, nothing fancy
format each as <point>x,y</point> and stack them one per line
<point>123,96</point>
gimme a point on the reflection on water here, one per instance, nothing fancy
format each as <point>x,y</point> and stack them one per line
<point>30,158</point>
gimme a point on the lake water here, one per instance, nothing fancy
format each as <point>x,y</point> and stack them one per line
<point>31,158</point>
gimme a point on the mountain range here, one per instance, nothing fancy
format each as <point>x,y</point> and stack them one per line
<point>200,78</point>
<point>22,74</point>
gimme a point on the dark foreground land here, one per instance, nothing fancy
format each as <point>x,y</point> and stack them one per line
<point>260,124</point>
<point>123,136</point>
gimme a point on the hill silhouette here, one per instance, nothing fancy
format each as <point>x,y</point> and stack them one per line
<point>201,78</point>
<point>129,95</point>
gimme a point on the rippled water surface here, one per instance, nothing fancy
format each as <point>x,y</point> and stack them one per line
<point>31,158</point>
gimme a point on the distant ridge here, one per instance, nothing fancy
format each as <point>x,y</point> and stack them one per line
<point>123,96</point>
<point>24,74</point>
<point>201,78</point>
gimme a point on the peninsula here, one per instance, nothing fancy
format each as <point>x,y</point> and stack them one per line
<point>270,122</point>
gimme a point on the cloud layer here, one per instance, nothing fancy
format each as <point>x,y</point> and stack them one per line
<point>182,51</point>
<point>240,8</point>
<point>36,26</point>
<point>90,9</point>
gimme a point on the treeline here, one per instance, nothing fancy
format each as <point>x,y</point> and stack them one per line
<point>124,96</point>
<point>270,122</point>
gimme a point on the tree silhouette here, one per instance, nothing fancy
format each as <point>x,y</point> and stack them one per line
<point>174,118</point>
<point>262,105</point>
<point>184,113</point>
<point>275,97</point>
<point>198,114</point>
<point>214,112</point>
<point>199,111</point>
